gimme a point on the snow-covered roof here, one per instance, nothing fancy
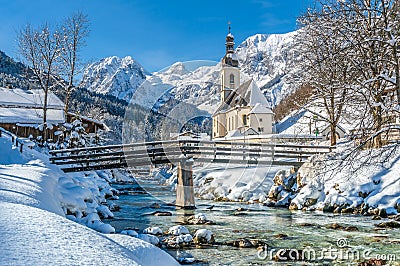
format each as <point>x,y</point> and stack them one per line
<point>88,119</point>
<point>30,115</point>
<point>28,98</point>
<point>260,109</point>
<point>256,96</point>
<point>248,94</point>
<point>306,118</point>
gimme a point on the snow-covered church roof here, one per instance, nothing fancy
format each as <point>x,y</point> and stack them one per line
<point>260,109</point>
<point>247,94</point>
<point>25,106</point>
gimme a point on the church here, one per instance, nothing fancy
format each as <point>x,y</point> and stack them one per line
<point>243,109</point>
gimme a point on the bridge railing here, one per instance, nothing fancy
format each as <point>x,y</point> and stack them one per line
<point>18,142</point>
<point>167,152</point>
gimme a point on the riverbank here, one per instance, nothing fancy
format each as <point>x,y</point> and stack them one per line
<point>348,180</point>
<point>240,228</point>
<point>35,199</point>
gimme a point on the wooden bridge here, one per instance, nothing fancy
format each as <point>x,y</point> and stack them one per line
<point>182,153</point>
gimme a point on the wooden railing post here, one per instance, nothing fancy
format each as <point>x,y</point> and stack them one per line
<point>184,189</point>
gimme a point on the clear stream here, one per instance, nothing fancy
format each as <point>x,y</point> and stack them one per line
<point>304,230</point>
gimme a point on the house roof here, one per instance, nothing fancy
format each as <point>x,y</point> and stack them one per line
<point>25,106</point>
<point>28,99</point>
<point>247,94</point>
<point>30,115</point>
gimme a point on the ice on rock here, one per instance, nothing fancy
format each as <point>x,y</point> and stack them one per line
<point>178,230</point>
<point>153,230</point>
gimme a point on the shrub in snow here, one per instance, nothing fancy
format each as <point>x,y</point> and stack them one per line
<point>149,239</point>
<point>203,236</point>
<point>153,231</point>
<point>129,233</point>
<point>178,230</point>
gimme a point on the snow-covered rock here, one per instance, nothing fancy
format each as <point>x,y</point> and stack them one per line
<point>203,236</point>
<point>129,233</point>
<point>187,238</point>
<point>178,230</point>
<point>149,239</point>
<point>153,230</point>
<point>200,216</point>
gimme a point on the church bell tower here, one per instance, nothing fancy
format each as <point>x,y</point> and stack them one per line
<point>230,73</point>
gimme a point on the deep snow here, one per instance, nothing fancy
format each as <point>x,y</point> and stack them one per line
<point>34,196</point>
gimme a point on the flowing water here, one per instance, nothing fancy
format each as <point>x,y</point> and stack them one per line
<point>279,228</point>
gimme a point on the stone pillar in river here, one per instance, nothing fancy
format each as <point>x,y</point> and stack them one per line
<point>184,189</point>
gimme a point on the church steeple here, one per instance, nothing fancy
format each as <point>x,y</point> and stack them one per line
<point>230,72</point>
<point>230,56</point>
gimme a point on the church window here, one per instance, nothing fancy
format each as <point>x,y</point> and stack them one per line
<point>232,79</point>
<point>244,118</point>
<point>260,119</point>
<point>260,129</point>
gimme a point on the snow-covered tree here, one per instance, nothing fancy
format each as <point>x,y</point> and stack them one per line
<point>74,31</point>
<point>40,48</point>
<point>324,55</point>
<point>353,48</point>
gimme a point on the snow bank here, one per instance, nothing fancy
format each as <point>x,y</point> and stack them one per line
<point>34,198</point>
<point>231,182</point>
<point>369,178</point>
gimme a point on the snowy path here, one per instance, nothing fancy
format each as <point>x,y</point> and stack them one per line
<point>34,230</point>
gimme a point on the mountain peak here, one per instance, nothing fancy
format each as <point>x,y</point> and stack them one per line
<point>113,75</point>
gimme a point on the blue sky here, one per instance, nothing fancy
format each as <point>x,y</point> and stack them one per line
<point>156,33</point>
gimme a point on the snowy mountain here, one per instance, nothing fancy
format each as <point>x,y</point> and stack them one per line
<point>265,58</point>
<point>115,76</point>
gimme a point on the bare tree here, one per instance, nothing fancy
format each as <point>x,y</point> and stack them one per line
<point>40,49</point>
<point>324,62</point>
<point>75,30</point>
<point>355,44</point>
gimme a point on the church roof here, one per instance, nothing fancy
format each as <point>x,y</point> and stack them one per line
<point>247,94</point>
<point>260,109</point>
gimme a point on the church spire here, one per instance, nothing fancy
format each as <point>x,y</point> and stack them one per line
<point>230,56</point>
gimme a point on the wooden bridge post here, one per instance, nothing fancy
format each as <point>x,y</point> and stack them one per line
<point>184,189</point>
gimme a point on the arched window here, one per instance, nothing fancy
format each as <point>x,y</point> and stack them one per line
<point>232,79</point>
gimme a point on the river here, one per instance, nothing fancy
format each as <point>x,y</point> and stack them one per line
<point>279,228</point>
